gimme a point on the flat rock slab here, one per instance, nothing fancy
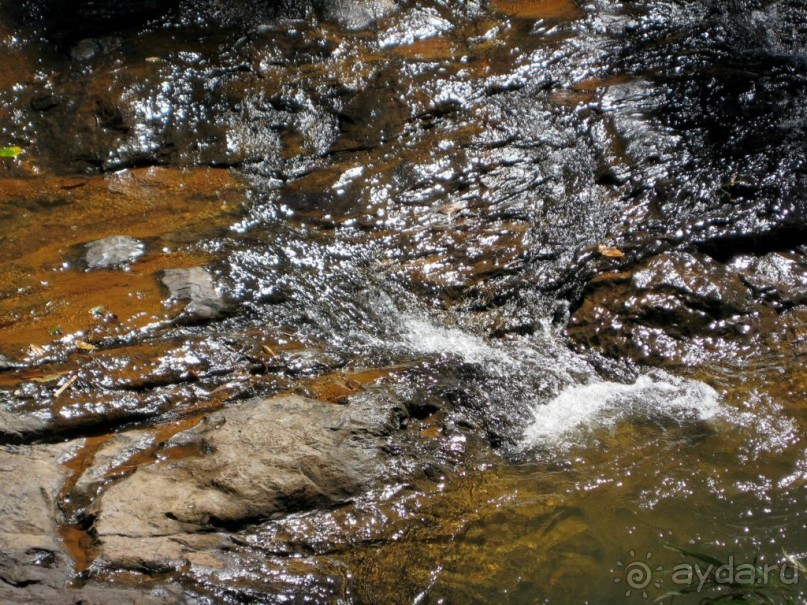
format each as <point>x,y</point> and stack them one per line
<point>257,460</point>
<point>113,251</point>
<point>33,566</point>
<point>32,477</point>
<point>40,579</point>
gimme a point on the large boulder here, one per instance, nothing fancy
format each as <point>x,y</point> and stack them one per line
<point>259,459</point>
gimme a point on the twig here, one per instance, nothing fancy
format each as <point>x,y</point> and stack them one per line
<point>66,385</point>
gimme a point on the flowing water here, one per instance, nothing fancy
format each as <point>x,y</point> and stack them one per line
<point>428,206</point>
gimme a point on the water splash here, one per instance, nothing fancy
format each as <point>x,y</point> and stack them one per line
<point>578,408</point>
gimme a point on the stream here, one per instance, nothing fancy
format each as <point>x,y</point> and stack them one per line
<point>401,301</point>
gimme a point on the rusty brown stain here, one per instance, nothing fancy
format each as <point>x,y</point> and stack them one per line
<point>537,9</point>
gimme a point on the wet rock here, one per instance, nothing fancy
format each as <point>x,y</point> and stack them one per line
<point>415,25</point>
<point>259,459</point>
<point>7,364</point>
<point>41,576</point>
<point>311,362</point>
<point>674,295</point>
<point>195,286</point>
<point>111,456</point>
<point>779,277</point>
<point>113,251</point>
<point>14,428</point>
<point>699,280</point>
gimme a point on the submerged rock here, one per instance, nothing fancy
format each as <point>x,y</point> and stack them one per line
<point>195,286</point>
<point>85,50</point>
<point>113,251</point>
<point>356,14</point>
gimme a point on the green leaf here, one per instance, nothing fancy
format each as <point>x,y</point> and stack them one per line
<point>671,594</point>
<point>10,152</point>
<point>695,555</point>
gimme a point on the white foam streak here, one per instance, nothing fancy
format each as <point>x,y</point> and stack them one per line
<point>426,337</point>
<point>655,395</point>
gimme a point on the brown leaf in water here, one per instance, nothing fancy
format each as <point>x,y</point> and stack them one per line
<point>450,209</point>
<point>36,350</point>
<point>48,378</point>
<point>609,252</point>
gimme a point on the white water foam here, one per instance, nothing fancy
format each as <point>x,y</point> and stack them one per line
<point>582,407</point>
<point>426,337</point>
<point>584,402</point>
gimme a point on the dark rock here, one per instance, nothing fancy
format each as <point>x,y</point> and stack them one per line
<point>113,251</point>
<point>85,50</point>
<point>195,286</point>
<point>45,101</point>
<point>83,18</point>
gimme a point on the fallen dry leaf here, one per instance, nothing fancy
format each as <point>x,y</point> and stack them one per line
<point>48,377</point>
<point>609,252</point>
<point>451,209</point>
<point>36,350</point>
<point>85,346</point>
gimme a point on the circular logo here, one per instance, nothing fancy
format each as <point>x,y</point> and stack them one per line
<point>637,574</point>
